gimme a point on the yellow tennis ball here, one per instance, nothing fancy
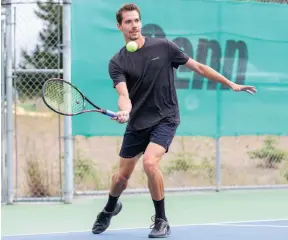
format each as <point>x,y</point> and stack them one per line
<point>131,46</point>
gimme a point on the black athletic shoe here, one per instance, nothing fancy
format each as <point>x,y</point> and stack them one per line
<point>160,229</point>
<point>104,218</point>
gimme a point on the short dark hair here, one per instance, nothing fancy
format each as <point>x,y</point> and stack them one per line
<point>126,7</point>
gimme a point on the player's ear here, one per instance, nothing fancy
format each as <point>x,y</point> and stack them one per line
<point>119,26</point>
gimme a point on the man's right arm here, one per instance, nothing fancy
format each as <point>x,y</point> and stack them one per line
<point>124,102</point>
<point>119,82</point>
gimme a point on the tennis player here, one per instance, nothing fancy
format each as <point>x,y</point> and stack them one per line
<point>144,80</point>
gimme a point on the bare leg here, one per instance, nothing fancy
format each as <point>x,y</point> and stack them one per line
<point>119,184</point>
<point>120,181</point>
<point>121,177</point>
<point>152,157</point>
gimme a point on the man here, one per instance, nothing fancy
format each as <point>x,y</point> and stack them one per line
<point>144,81</point>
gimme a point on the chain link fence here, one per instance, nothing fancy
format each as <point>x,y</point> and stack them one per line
<point>38,145</point>
<point>36,56</point>
<point>254,161</point>
<point>246,162</point>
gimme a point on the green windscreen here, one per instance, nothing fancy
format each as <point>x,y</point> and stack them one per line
<point>245,41</point>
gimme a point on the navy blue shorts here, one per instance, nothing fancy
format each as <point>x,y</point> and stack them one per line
<point>135,142</point>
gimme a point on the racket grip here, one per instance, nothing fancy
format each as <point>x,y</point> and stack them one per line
<point>110,113</point>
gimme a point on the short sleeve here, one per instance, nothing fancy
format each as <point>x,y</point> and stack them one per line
<point>116,73</point>
<point>177,55</point>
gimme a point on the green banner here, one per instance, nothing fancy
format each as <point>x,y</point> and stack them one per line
<point>251,49</point>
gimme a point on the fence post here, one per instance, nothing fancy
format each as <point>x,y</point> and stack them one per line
<point>218,112</point>
<point>9,92</point>
<point>218,135</point>
<point>68,146</point>
<point>3,112</point>
<point>218,165</point>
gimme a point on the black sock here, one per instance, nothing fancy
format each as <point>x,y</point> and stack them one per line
<point>110,206</point>
<point>160,209</point>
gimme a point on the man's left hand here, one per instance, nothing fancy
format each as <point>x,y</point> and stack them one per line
<point>250,89</point>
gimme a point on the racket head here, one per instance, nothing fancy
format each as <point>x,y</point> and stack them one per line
<point>63,97</point>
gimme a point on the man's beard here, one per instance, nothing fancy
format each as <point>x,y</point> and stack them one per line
<point>133,38</point>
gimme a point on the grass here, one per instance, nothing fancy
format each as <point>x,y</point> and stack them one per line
<point>269,153</point>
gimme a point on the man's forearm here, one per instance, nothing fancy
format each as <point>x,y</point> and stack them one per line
<point>208,72</point>
<point>211,74</point>
<point>124,103</point>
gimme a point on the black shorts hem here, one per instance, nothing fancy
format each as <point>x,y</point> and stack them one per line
<point>128,156</point>
<point>161,144</point>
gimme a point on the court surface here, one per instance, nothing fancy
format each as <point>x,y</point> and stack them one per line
<point>264,230</point>
<point>245,215</point>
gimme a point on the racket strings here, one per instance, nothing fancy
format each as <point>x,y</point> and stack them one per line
<point>63,98</point>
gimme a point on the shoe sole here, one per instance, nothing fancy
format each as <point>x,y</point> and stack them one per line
<point>163,236</point>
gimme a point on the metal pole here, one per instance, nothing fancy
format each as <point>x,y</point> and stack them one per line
<point>3,152</point>
<point>218,113</point>
<point>59,54</point>
<point>68,141</point>
<point>218,165</point>
<point>9,92</point>
<point>15,111</point>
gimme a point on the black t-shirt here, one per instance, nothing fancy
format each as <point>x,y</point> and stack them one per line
<point>149,76</point>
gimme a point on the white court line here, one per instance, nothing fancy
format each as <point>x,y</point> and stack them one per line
<point>183,225</point>
<point>250,225</point>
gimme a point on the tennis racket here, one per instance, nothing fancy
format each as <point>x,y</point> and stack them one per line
<point>66,99</point>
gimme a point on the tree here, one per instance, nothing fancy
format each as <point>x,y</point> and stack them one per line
<point>46,55</point>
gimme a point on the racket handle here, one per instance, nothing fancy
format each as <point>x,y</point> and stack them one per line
<point>110,113</point>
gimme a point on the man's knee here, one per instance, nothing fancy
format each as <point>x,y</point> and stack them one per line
<point>150,164</point>
<point>152,157</point>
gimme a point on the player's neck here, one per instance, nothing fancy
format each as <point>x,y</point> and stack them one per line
<point>140,41</point>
